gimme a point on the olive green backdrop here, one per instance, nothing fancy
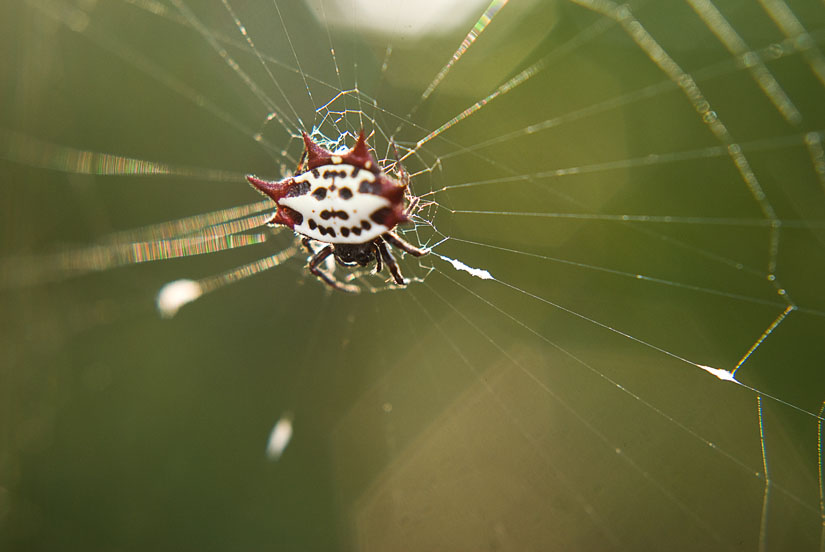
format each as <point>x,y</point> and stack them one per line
<point>558,406</point>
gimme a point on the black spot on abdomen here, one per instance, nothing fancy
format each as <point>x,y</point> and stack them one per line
<point>328,214</point>
<point>367,187</point>
<point>319,193</point>
<point>324,231</point>
<point>381,215</point>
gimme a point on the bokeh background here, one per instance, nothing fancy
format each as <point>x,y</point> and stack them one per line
<point>559,405</point>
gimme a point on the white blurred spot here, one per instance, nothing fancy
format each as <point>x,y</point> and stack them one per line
<point>397,19</point>
<point>279,437</point>
<point>458,265</point>
<point>174,295</point>
<point>718,372</point>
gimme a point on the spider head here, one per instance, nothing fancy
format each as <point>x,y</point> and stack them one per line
<point>351,254</point>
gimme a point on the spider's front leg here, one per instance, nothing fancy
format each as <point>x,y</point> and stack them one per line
<point>405,176</point>
<point>412,206</point>
<point>395,240</point>
<point>319,258</point>
<point>391,263</point>
<point>308,246</point>
<point>300,168</point>
<point>377,252</point>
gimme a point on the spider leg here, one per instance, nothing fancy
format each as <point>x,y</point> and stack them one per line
<point>405,177</point>
<point>300,166</point>
<point>405,180</point>
<point>413,205</point>
<point>392,264</point>
<point>378,264</point>
<point>307,246</point>
<point>393,239</point>
<point>331,282</point>
<point>342,263</point>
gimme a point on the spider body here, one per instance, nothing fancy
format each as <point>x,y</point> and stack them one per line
<point>346,202</point>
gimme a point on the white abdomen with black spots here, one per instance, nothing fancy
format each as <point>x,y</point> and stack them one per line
<point>333,208</point>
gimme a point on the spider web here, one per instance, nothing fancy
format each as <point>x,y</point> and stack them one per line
<point>616,342</point>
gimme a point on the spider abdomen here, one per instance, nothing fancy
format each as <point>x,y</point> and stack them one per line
<point>338,205</point>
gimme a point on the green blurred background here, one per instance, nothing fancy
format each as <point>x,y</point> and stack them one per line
<point>457,414</point>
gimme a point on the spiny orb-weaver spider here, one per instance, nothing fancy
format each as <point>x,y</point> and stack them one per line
<point>347,202</point>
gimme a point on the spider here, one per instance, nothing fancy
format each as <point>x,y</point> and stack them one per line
<point>346,202</point>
